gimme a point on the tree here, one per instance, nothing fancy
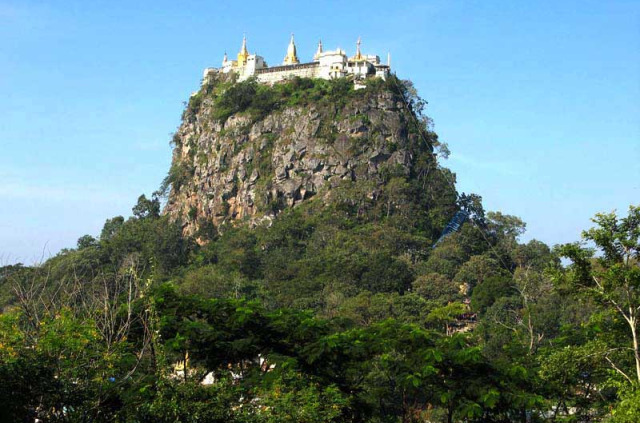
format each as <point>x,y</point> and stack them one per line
<point>395,194</point>
<point>111,226</point>
<point>446,316</point>
<point>410,95</point>
<point>146,208</point>
<point>472,203</point>
<point>492,289</point>
<point>475,271</point>
<point>572,379</point>
<point>434,286</point>
<point>505,226</point>
<point>86,241</point>
<point>612,278</point>
<point>628,409</point>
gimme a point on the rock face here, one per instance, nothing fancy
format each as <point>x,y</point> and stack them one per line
<point>247,169</point>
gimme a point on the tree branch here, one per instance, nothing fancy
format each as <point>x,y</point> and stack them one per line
<point>618,369</point>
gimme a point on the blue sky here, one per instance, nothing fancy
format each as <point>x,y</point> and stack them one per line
<point>539,102</point>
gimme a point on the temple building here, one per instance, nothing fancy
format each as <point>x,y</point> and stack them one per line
<point>325,64</point>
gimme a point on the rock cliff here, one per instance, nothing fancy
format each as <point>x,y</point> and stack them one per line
<point>246,151</point>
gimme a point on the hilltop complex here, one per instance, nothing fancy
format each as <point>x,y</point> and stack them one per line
<point>326,65</point>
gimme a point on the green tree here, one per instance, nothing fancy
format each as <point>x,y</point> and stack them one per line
<point>492,289</point>
<point>86,241</point>
<point>612,278</point>
<point>434,286</point>
<point>111,226</point>
<point>475,271</point>
<point>445,316</point>
<point>572,378</point>
<point>146,208</point>
<point>628,409</point>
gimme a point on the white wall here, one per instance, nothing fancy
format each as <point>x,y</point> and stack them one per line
<point>271,77</point>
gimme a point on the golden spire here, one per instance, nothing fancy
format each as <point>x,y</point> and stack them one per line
<point>318,52</point>
<point>291,58</point>
<point>244,53</point>
<point>358,55</point>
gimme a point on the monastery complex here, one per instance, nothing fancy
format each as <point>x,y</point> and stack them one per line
<point>326,65</point>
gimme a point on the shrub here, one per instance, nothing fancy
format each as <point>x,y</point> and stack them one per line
<point>237,98</point>
<point>179,174</point>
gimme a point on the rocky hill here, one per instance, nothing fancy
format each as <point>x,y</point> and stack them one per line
<point>340,307</point>
<point>246,151</point>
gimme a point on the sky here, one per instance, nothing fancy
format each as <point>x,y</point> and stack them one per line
<point>539,102</point>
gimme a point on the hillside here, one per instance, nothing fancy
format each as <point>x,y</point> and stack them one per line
<point>245,151</point>
<point>294,276</point>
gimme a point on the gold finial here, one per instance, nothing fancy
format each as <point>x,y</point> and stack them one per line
<point>358,55</point>
<point>291,58</point>
<point>244,53</point>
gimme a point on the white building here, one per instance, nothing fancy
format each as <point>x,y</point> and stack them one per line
<point>326,65</point>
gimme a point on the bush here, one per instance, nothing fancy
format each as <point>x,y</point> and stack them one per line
<point>259,99</point>
<point>180,174</point>
<point>235,99</point>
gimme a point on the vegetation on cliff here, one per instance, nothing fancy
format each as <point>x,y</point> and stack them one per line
<point>336,307</point>
<point>247,151</point>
